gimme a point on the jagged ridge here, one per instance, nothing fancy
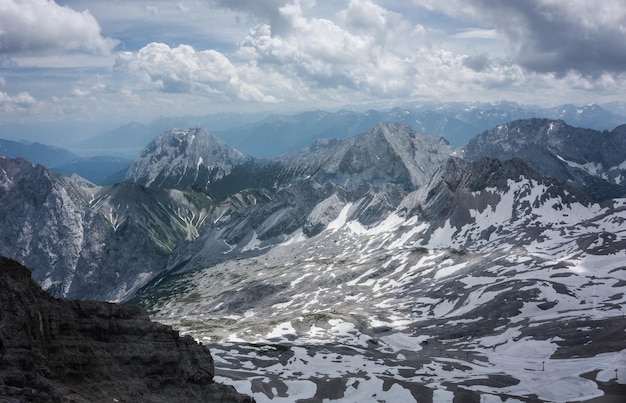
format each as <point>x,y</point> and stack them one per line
<point>585,157</point>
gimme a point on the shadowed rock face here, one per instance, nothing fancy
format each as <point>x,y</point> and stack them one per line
<point>587,158</point>
<point>84,351</point>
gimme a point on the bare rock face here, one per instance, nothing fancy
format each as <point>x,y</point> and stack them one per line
<point>184,159</point>
<point>587,158</point>
<point>85,351</point>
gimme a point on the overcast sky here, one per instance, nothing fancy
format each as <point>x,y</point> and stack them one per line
<point>123,60</point>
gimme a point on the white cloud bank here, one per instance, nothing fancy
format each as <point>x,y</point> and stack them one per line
<point>365,52</point>
<point>185,70</point>
<point>43,26</point>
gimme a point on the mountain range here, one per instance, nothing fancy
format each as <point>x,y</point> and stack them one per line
<point>456,122</point>
<point>555,149</point>
<point>103,158</point>
<point>388,265</point>
<point>100,170</point>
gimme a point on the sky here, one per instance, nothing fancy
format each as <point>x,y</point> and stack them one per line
<point>133,60</point>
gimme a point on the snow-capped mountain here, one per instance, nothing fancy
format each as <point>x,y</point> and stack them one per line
<point>491,282</point>
<point>380,267</point>
<point>184,159</point>
<point>588,158</point>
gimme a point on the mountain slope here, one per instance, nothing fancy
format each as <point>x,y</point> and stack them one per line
<point>97,169</point>
<point>387,153</point>
<point>98,242</point>
<point>373,268</point>
<point>54,350</point>
<point>479,281</point>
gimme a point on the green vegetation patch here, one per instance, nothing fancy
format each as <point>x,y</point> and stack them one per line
<point>200,200</point>
<point>207,325</point>
<point>317,317</point>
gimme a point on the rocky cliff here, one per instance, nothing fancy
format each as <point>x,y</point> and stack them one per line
<point>84,351</point>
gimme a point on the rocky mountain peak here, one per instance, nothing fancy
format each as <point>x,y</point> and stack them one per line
<point>184,159</point>
<point>396,151</point>
<point>486,172</point>
<point>588,158</point>
<point>460,186</point>
<point>387,153</point>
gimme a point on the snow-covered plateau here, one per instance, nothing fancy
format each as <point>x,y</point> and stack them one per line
<point>513,305</point>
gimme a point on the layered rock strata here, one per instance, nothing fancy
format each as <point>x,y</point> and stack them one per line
<point>84,351</point>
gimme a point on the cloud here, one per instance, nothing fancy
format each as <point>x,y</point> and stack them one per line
<point>262,11</point>
<point>354,54</point>
<point>183,7</point>
<point>552,35</point>
<point>153,10</point>
<point>362,50</point>
<point>20,102</point>
<point>184,70</point>
<point>477,34</point>
<point>365,52</point>
<point>478,62</point>
<point>42,26</point>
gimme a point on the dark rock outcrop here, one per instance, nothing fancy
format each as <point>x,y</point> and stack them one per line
<point>85,351</point>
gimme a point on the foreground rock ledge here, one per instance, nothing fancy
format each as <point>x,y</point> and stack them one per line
<point>83,351</point>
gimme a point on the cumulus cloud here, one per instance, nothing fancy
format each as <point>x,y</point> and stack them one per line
<point>553,35</point>
<point>20,102</point>
<point>265,11</point>
<point>362,52</point>
<point>43,26</point>
<point>184,70</point>
<point>365,52</point>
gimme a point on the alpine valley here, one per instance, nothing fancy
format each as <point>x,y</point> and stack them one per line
<point>388,266</point>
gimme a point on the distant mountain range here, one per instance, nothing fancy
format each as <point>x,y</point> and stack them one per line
<point>188,185</point>
<point>100,170</point>
<point>456,122</point>
<point>272,135</point>
<point>36,153</point>
<point>110,153</point>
